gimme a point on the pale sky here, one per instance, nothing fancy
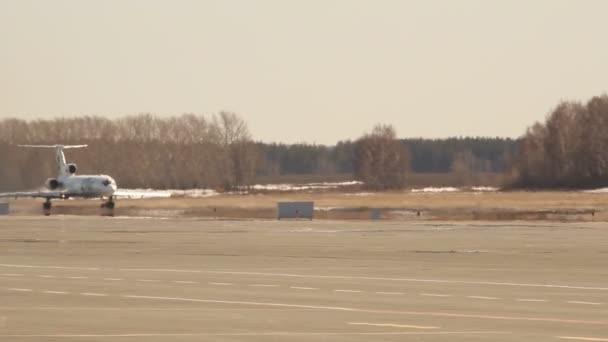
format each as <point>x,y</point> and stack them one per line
<point>308,70</point>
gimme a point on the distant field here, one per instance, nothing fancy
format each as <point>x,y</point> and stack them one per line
<point>577,206</point>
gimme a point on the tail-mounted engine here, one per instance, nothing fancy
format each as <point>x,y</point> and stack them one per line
<point>53,184</point>
<point>71,168</point>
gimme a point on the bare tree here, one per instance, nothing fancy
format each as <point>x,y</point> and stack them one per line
<point>239,152</point>
<point>380,159</point>
<point>568,150</point>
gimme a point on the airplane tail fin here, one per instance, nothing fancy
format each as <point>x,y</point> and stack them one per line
<point>63,169</point>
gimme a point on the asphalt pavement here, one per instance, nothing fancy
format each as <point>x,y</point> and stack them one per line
<point>139,279</point>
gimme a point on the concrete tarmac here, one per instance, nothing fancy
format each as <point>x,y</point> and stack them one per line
<point>139,279</point>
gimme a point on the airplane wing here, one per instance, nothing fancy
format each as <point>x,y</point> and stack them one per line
<point>35,194</point>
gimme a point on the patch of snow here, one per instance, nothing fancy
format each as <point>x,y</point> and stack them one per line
<point>303,187</point>
<point>142,193</point>
<point>597,191</point>
<point>484,188</point>
<point>360,194</point>
<point>436,190</point>
<point>326,208</point>
<point>453,189</point>
<point>194,193</point>
<point>310,187</point>
<point>152,193</point>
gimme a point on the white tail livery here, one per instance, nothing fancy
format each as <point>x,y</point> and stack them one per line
<point>63,169</point>
<point>67,184</point>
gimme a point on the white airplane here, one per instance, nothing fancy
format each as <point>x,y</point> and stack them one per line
<point>67,184</point>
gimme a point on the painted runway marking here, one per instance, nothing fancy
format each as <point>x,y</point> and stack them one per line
<point>348,291</point>
<point>435,295</point>
<point>483,297</point>
<point>113,279</point>
<point>148,280</point>
<point>347,309</point>
<point>19,289</point>
<point>583,303</point>
<point>531,300</point>
<point>253,334</point>
<point>221,284</point>
<point>161,270</point>
<point>303,288</point>
<point>78,277</point>
<point>582,338</point>
<point>264,285</point>
<point>46,276</point>
<point>393,325</point>
<point>390,293</point>
<point>184,282</point>
<point>440,281</point>
<point>55,292</point>
<point>93,294</point>
<point>319,276</point>
<point>51,267</point>
<point>11,275</point>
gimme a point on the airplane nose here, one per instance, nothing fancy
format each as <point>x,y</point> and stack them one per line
<point>110,184</point>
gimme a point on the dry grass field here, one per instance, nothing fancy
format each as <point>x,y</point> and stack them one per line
<point>554,205</point>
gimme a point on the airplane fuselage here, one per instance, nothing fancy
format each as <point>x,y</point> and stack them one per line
<point>84,185</point>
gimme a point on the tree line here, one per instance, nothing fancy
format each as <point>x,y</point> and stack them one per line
<point>218,151</point>
<point>141,151</point>
<point>479,154</point>
<point>568,150</point>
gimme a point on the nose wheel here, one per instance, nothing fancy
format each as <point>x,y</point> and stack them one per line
<point>108,207</point>
<point>46,207</point>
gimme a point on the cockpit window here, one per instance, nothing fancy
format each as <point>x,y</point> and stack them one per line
<point>106,182</point>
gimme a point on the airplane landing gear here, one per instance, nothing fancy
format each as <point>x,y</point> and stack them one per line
<point>108,207</point>
<point>46,207</point>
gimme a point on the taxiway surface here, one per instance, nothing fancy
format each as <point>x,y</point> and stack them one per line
<point>127,279</point>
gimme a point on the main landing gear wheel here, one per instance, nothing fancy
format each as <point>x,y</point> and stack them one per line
<point>46,207</point>
<point>108,207</point>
